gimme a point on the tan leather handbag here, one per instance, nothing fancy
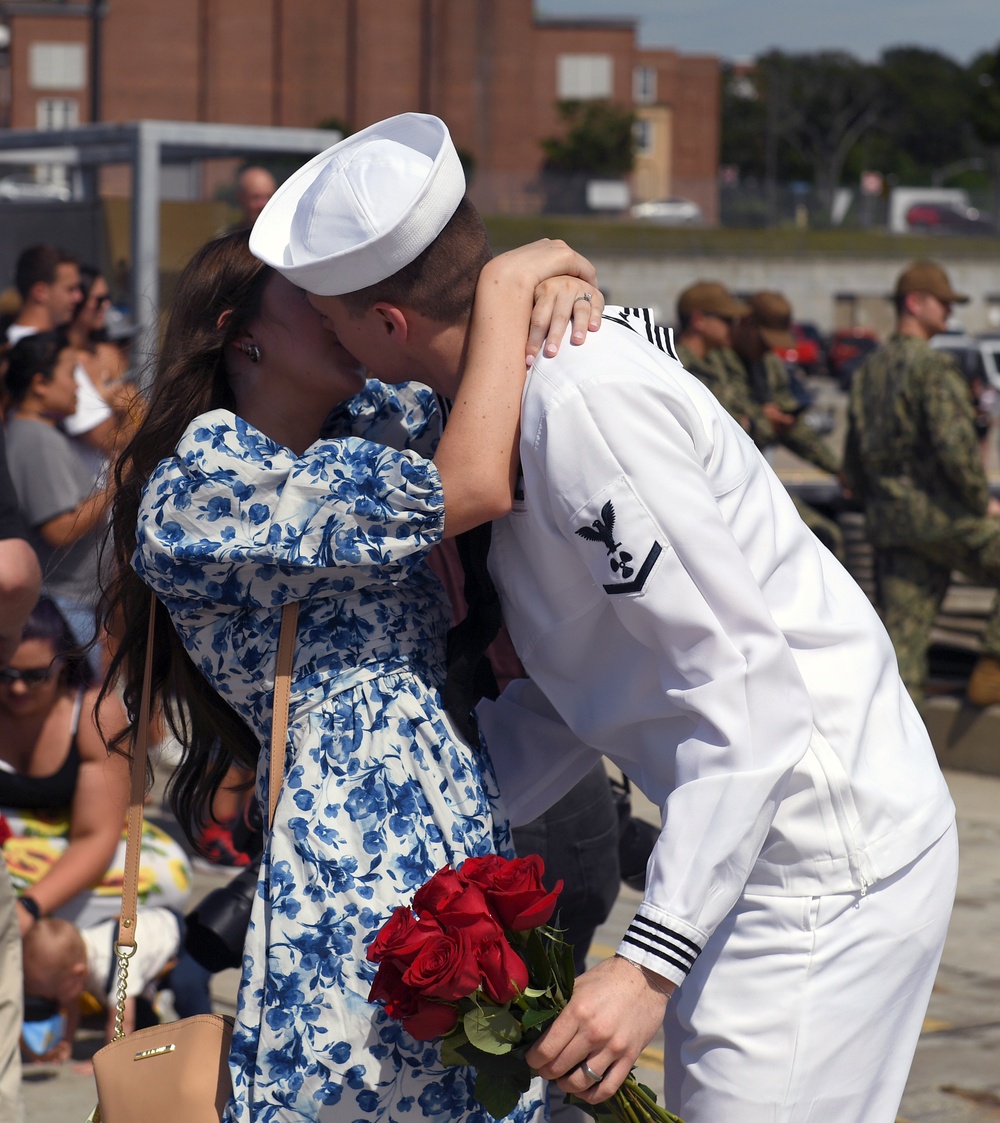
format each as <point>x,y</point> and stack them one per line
<point>178,1070</point>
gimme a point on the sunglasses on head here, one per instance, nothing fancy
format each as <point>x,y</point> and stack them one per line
<point>33,676</point>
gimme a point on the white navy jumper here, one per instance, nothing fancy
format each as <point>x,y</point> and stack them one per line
<point>674,611</point>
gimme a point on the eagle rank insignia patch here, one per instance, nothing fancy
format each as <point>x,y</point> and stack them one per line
<point>623,535</point>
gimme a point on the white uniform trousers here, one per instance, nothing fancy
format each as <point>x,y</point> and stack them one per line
<point>808,1009</point>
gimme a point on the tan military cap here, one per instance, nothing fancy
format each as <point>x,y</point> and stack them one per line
<point>712,298</point>
<point>772,314</point>
<point>928,276</point>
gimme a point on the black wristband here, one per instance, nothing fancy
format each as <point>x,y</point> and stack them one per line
<point>32,906</point>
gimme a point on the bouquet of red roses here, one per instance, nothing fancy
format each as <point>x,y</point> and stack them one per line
<point>475,962</point>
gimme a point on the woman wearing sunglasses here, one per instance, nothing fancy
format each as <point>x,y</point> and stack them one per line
<point>63,795</point>
<point>103,362</point>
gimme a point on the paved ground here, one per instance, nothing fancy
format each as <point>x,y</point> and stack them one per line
<point>956,1076</point>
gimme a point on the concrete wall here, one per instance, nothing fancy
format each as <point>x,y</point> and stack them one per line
<point>811,284</point>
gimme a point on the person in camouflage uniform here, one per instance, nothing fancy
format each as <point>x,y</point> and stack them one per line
<point>912,458</point>
<point>776,411</point>
<point>706,312</point>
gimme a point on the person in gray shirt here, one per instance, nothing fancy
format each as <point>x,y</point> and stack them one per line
<point>55,486</point>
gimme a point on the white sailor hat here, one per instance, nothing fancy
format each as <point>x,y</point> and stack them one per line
<point>361,210</point>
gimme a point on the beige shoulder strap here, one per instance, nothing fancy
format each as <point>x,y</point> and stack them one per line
<point>279,735</point>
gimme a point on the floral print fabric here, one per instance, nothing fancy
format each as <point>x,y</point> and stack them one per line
<point>379,790</point>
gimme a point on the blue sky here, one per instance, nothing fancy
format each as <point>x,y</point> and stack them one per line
<point>736,29</point>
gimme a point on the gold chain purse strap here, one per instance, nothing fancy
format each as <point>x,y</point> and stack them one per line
<point>125,944</point>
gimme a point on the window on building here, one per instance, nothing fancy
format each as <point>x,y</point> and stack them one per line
<point>642,132</point>
<point>57,113</point>
<point>644,85</point>
<point>57,66</point>
<point>581,77</point>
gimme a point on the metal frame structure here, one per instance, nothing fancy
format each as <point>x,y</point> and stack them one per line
<point>144,146</point>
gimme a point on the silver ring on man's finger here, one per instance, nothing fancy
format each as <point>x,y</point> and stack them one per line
<point>587,296</point>
<point>593,1077</point>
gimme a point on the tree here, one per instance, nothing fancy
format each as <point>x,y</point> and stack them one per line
<point>925,126</point>
<point>917,116</point>
<point>820,105</point>
<point>985,99</point>
<point>599,139</point>
<point>986,114</point>
<point>744,122</point>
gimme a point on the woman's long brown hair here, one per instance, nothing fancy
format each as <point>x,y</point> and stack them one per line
<point>218,295</point>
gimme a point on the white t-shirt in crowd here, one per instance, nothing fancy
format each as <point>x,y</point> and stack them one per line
<point>158,941</point>
<point>91,409</point>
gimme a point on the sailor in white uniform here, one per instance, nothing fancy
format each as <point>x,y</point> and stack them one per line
<point>673,610</point>
<point>675,614</point>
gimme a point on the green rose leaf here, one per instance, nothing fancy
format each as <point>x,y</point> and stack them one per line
<point>493,1029</point>
<point>537,959</point>
<point>499,1094</point>
<point>595,1111</point>
<point>451,1049</point>
<point>532,1018</point>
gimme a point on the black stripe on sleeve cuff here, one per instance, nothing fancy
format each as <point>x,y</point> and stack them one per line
<point>662,942</point>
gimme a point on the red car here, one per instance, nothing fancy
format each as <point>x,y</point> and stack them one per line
<point>806,353</point>
<point>848,349</point>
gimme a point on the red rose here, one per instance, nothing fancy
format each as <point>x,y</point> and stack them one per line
<point>503,971</point>
<point>430,1020</point>
<point>445,968</point>
<point>454,904</point>
<point>422,1018</point>
<point>401,937</point>
<point>484,871</point>
<point>514,889</point>
<point>388,987</point>
<point>5,831</point>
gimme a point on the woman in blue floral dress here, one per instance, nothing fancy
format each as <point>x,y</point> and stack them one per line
<point>229,505</point>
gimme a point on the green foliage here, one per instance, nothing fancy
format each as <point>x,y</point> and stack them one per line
<point>928,100</point>
<point>744,123</point>
<point>468,162</point>
<point>337,123</point>
<point>826,116</point>
<point>985,114</point>
<point>531,1019</point>
<point>499,1092</point>
<point>451,1048</point>
<point>599,139</point>
<point>492,1029</point>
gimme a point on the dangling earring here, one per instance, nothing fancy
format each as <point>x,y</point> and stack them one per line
<point>251,350</point>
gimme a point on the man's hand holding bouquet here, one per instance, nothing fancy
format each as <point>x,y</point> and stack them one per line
<point>475,962</point>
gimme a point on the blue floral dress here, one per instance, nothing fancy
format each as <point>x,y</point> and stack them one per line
<point>379,790</point>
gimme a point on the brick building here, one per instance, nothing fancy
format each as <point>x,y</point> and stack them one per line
<point>490,68</point>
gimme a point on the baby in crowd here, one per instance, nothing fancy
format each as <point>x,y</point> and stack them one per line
<point>63,962</point>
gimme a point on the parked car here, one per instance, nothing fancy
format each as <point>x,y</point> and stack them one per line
<point>23,185</point>
<point>809,351</point>
<point>948,218</point>
<point>669,212</point>
<point>978,357</point>
<point>849,348</point>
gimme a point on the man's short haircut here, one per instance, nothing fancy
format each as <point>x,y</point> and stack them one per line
<point>441,282</point>
<point>38,265</point>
